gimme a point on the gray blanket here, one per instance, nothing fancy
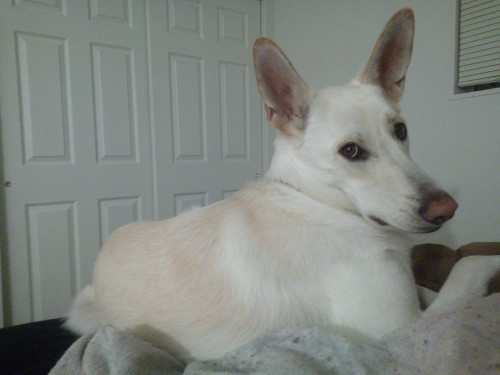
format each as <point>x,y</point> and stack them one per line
<point>466,341</point>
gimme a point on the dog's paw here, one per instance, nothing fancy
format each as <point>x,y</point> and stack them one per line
<point>469,279</point>
<point>474,273</point>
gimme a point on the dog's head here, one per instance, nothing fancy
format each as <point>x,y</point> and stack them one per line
<point>348,146</point>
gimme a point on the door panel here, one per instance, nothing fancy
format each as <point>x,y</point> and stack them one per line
<point>52,246</point>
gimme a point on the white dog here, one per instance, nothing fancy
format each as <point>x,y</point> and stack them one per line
<point>318,241</point>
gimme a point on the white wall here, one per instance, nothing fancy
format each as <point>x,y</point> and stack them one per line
<point>454,138</point>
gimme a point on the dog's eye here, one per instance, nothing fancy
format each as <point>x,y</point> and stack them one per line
<point>400,131</point>
<point>352,151</point>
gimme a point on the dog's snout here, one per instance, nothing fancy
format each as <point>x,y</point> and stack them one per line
<point>440,207</point>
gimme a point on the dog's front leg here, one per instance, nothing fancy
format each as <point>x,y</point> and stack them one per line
<point>467,281</point>
<point>426,296</point>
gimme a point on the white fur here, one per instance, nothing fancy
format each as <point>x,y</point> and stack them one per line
<point>300,247</point>
<point>83,315</point>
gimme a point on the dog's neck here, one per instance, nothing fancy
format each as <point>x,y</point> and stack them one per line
<point>282,182</point>
<point>283,171</point>
<point>339,202</point>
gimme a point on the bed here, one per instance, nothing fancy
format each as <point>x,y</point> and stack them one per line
<point>464,341</point>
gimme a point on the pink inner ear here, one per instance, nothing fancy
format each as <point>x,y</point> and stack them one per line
<point>283,91</point>
<point>392,65</point>
<point>391,56</point>
<point>277,84</point>
<point>391,60</point>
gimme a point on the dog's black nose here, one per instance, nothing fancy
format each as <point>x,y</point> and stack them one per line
<point>441,207</point>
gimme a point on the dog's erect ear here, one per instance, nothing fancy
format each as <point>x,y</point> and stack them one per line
<point>391,56</point>
<point>285,94</point>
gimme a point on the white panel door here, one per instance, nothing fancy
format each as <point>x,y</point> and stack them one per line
<point>76,142</point>
<point>206,108</point>
<point>114,111</point>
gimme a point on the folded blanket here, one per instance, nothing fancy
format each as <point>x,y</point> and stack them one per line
<point>465,341</point>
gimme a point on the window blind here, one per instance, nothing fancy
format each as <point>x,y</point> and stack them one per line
<point>479,43</point>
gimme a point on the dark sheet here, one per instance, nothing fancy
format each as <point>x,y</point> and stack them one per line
<point>33,348</point>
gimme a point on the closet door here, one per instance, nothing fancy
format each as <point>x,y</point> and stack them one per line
<point>115,111</point>
<point>76,142</point>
